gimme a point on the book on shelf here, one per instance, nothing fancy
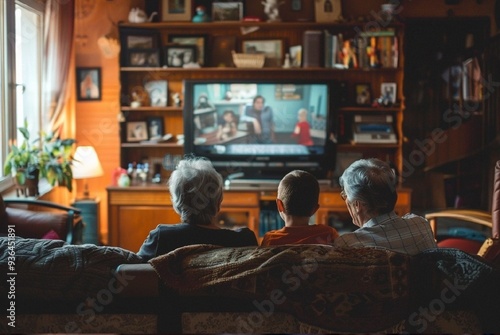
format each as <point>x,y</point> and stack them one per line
<point>313,49</point>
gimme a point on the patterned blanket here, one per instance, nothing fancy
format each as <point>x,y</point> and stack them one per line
<point>334,289</point>
<point>54,270</point>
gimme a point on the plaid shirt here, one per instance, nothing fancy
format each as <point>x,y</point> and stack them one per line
<point>409,234</point>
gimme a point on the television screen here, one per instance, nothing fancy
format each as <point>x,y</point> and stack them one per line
<point>260,128</point>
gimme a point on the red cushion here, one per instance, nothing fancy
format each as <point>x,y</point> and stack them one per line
<point>469,246</point>
<point>51,235</point>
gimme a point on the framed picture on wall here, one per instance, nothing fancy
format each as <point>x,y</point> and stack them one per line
<point>88,83</point>
<point>176,10</point>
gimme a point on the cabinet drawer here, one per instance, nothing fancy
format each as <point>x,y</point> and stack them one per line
<point>240,199</point>
<point>139,198</point>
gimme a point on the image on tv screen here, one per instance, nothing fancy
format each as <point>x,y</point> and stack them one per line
<point>259,118</point>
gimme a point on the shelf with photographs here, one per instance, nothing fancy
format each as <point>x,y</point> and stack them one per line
<point>189,50</point>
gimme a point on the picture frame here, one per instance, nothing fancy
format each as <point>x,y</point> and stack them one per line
<point>157,92</point>
<point>296,55</point>
<point>199,41</point>
<point>137,131</point>
<point>388,93</point>
<point>143,58</point>
<point>88,84</point>
<point>273,49</point>
<point>176,55</point>
<point>155,128</point>
<point>363,94</point>
<point>176,10</point>
<point>327,10</point>
<point>133,39</point>
<point>227,11</point>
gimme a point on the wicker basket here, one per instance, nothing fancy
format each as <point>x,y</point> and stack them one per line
<point>248,60</point>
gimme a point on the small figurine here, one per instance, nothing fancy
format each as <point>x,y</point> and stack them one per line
<point>287,63</point>
<point>271,8</point>
<point>177,99</point>
<point>201,15</point>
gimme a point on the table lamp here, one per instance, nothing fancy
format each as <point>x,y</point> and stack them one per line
<point>86,165</point>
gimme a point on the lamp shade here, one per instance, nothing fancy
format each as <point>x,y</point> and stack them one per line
<point>86,163</point>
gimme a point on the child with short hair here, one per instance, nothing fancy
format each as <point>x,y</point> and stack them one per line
<point>297,201</point>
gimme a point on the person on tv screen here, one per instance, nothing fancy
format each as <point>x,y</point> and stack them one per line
<point>260,119</point>
<point>196,189</point>
<point>228,127</point>
<point>302,129</point>
<point>297,201</point>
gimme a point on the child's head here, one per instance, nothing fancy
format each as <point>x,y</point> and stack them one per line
<point>228,116</point>
<point>299,192</point>
<point>302,114</point>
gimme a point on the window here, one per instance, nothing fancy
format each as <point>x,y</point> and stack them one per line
<point>21,48</point>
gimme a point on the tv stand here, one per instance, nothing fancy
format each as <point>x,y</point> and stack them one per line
<point>140,208</point>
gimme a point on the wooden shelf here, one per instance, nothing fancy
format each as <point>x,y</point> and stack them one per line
<point>218,70</point>
<point>151,108</point>
<point>361,146</point>
<point>295,25</point>
<point>357,109</point>
<point>151,145</point>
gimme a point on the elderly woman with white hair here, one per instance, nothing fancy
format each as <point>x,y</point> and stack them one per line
<point>196,192</point>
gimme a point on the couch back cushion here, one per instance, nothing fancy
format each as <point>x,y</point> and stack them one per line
<point>30,224</point>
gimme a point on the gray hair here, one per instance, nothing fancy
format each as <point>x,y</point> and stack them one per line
<point>196,190</point>
<point>372,182</point>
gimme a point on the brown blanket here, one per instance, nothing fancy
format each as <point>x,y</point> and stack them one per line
<point>339,290</point>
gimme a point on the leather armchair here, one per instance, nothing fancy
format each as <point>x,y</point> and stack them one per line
<point>40,219</point>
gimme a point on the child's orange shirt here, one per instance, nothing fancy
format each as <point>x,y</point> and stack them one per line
<point>312,234</point>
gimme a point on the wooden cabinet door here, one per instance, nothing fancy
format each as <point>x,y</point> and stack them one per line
<point>135,223</point>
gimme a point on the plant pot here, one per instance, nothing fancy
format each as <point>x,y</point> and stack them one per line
<point>30,186</point>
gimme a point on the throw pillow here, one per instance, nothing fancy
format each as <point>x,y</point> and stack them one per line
<point>51,235</point>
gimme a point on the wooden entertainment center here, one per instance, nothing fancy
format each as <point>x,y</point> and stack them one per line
<point>133,211</point>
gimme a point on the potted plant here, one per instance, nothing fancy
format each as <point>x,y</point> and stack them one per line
<point>48,157</point>
<point>23,163</point>
<point>55,160</point>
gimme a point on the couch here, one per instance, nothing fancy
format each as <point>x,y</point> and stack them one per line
<point>63,288</point>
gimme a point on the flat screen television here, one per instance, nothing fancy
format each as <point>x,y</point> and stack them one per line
<point>293,129</point>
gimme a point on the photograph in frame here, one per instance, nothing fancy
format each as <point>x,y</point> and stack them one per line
<point>143,58</point>
<point>88,83</point>
<point>198,41</point>
<point>296,55</point>
<point>176,10</point>
<point>155,128</point>
<point>227,11</point>
<point>179,55</point>
<point>388,93</point>
<point>363,94</point>
<point>134,38</point>
<point>158,92</point>
<point>327,10</point>
<point>273,49</point>
<point>137,131</point>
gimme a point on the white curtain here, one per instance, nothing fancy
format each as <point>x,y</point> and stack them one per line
<point>58,61</point>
